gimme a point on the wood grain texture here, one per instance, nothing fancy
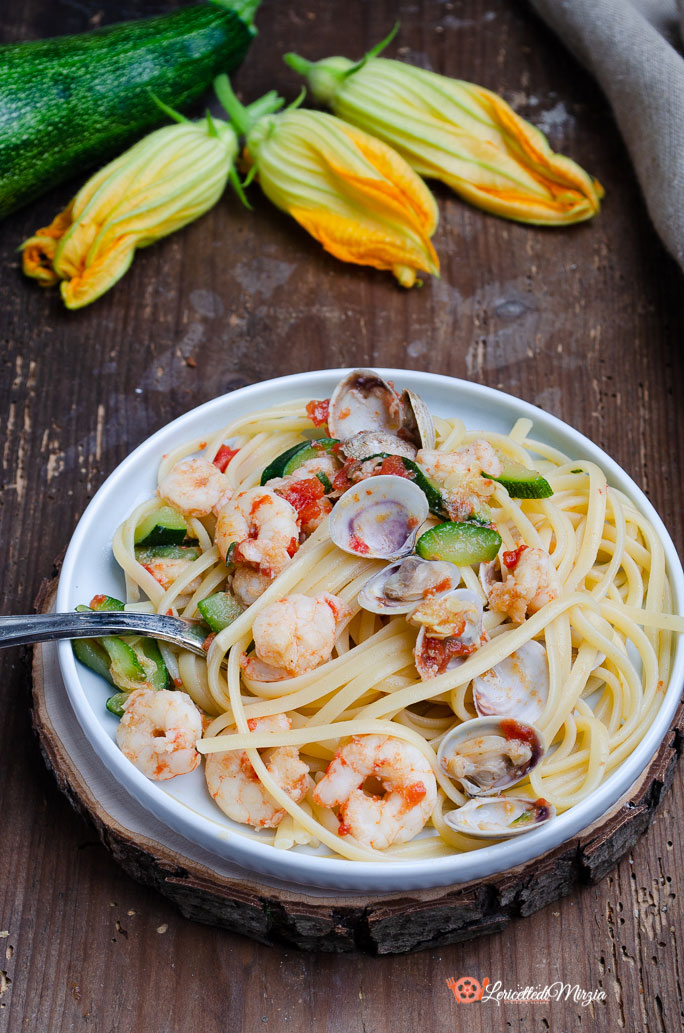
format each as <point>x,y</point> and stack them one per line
<point>586,322</point>
<point>390,923</point>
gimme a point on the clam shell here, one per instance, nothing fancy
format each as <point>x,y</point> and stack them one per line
<point>471,635</point>
<point>426,670</point>
<point>499,817</point>
<point>417,425</point>
<point>516,687</point>
<point>494,775</point>
<point>379,518</point>
<point>363,401</point>
<point>370,442</point>
<point>431,572</point>
<point>488,575</point>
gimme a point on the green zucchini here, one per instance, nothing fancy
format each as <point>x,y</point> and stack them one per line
<point>121,664</point>
<point>521,483</point>
<point>219,610</point>
<point>101,603</point>
<point>115,703</point>
<point>290,460</point>
<point>459,543</point>
<point>75,101</point>
<point>93,655</point>
<point>159,678</point>
<point>164,526</point>
<point>427,486</point>
<point>152,553</point>
<point>124,665</point>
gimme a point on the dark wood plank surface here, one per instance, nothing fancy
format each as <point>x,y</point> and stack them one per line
<point>585,322</point>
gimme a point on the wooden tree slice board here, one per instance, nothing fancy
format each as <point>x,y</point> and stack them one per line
<point>211,890</point>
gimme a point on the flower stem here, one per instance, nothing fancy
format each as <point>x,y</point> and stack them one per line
<point>297,64</point>
<point>243,118</point>
<point>171,112</point>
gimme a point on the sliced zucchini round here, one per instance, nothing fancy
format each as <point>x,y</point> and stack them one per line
<point>289,461</point>
<point>459,543</point>
<point>164,526</point>
<point>521,483</point>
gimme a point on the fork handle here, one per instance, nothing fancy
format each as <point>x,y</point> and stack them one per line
<point>46,627</point>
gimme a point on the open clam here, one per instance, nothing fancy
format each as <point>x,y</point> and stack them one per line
<point>363,401</point>
<point>417,423</point>
<point>518,686</point>
<point>450,628</point>
<point>489,754</point>
<point>498,817</point>
<point>372,442</point>
<point>379,518</point>
<point>400,586</point>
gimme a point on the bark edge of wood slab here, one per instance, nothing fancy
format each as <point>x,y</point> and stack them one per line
<point>382,924</point>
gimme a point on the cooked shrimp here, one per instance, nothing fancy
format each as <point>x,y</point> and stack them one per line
<point>248,584</point>
<point>460,475</point>
<point>527,586</point>
<point>405,775</point>
<point>466,462</point>
<point>158,732</point>
<point>194,486</point>
<point>294,635</point>
<point>235,785</point>
<point>263,528</point>
<point>326,464</point>
<point>166,570</point>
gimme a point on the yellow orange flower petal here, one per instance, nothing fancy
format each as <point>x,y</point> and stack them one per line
<point>166,180</point>
<point>38,252</point>
<point>355,195</point>
<point>351,241</point>
<point>384,159</point>
<point>458,132</point>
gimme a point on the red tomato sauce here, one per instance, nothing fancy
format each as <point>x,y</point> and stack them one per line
<point>511,558</point>
<point>224,456</point>
<point>318,411</point>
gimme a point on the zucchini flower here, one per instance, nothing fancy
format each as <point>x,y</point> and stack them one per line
<point>351,192</point>
<point>163,182</point>
<point>458,132</point>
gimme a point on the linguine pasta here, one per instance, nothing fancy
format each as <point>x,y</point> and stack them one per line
<point>608,637</point>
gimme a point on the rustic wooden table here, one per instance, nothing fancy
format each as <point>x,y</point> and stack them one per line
<point>584,322</point>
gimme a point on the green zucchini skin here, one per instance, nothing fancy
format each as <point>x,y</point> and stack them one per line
<point>71,102</point>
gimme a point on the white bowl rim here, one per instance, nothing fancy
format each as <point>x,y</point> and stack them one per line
<point>341,874</point>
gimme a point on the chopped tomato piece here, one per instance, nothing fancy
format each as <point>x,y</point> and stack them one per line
<point>292,547</point>
<point>224,456</point>
<point>307,497</point>
<point>318,411</point>
<point>414,793</point>
<point>341,479</point>
<point>96,601</point>
<point>394,466</point>
<point>511,558</point>
<point>437,652</point>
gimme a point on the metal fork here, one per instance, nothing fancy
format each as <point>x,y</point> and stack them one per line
<point>46,627</point>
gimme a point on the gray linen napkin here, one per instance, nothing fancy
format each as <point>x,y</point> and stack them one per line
<point>629,47</point>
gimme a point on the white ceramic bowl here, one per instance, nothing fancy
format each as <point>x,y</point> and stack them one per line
<point>183,803</point>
